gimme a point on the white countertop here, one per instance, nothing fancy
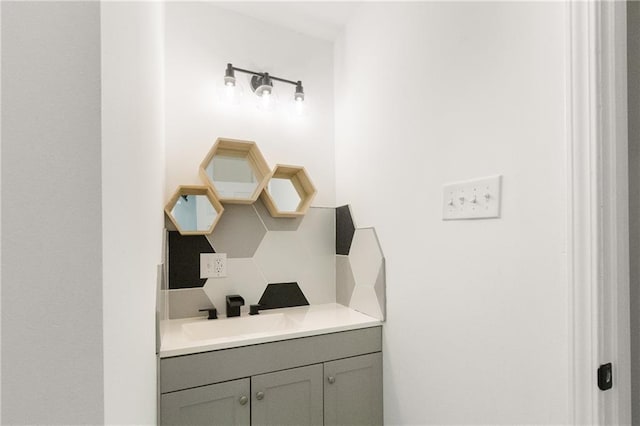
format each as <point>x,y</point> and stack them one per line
<point>178,336</point>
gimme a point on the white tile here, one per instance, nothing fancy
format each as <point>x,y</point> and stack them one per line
<point>276,223</point>
<point>243,278</point>
<point>381,290</point>
<point>364,300</point>
<point>365,257</point>
<point>344,280</point>
<point>282,256</point>
<point>285,256</point>
<point>318,280</point>
<point>318,231</point>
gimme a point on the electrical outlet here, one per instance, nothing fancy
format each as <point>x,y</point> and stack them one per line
<point>213,265</point>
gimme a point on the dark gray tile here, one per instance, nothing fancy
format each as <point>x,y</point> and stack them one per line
<point>184,259</point>
<point>345,229</point>
<point>276,223</point>
<point>282,295</point>
<point>239,231</point>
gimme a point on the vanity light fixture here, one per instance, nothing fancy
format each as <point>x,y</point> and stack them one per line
<point>262,83</point>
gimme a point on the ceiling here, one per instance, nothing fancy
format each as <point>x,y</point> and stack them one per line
<point>324,20</point>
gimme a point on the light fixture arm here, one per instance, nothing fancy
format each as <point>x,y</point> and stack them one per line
<point>262,79</point>
<point>262,74</point>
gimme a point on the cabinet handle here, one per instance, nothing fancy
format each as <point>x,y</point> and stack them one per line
<point>259,395</point>
<point>243,400</point>
<point>331,380</point>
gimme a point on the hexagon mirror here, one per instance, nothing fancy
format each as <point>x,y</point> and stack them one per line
<point>235,170</point>
<point>194,210</point>
<point>289,192</point>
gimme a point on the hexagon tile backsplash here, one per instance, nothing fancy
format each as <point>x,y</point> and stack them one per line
<point>323,252</point>
<point>360,273</point>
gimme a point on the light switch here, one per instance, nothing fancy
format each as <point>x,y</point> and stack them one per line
<point>213,265</point>
<point>472,199</point>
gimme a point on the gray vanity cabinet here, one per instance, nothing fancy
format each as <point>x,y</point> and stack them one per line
<point>220,404</point>
<point>328,379</point>
<point>288,398</point>
<point>353,391</point>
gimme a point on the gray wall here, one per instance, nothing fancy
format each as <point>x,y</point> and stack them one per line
<point>633,43</point>
<point>52,354</point>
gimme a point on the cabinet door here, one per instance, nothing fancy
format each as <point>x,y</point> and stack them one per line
<point>289,397</point>
<point>220,404</point>
<point>353,391</point>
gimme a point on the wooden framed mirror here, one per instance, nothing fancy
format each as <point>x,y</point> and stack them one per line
<point>235,170</point>
<point>289,192</point>
<point>194,210</point>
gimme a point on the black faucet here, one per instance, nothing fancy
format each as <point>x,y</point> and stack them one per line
<point>213,312</point>
<point>234,302</point>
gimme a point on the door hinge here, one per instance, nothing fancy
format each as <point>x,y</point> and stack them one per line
<point>605,376</point>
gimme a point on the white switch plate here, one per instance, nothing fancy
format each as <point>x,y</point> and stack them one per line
<point>472,199</point>
<point>213,265</point>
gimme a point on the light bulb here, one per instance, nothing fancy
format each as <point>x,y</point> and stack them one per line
<point>299,93</point>
<point>266,98</point>
<point>229,94</point>
<point>299,107</point>
<point>229,76</point>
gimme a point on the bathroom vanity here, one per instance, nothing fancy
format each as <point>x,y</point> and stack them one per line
<point>293,363</point>
<point>310,365</point>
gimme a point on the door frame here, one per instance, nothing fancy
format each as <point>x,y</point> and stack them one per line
<point>597,211</point>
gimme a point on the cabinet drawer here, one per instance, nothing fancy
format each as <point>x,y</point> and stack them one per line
<point>189,371</point>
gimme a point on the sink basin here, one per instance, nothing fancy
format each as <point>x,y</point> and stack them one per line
<point>238,326</point>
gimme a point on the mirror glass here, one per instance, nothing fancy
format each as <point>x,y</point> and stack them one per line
<point>284,194</point>
<point>232,176</point>
<point>194,213</point>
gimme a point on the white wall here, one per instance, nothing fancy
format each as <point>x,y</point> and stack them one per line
<point>52,348</point>
<point>201,39</point>
<point>132,204</point>
<point>0,217</point>
<point>429,93</point>
<point>633,78</point>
